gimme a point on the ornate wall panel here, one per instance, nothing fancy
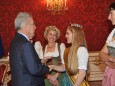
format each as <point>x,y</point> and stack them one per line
<point>89,13</point>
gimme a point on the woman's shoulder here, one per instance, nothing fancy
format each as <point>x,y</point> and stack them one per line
<point>62,45</point>
<point>82,49</point>
<point>37,44</point>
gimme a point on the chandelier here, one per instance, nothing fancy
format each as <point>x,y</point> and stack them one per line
<point>56,6</point>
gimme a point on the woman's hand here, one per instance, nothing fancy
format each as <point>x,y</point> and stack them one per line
<point>54,77</point>
<point>45,59</point>
<point>51,67</point>
<point>54,83</point>
<point>112,59</point>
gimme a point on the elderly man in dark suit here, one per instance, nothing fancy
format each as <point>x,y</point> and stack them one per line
<point>26,67</point>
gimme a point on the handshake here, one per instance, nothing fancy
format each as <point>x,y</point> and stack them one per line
<point>60,68</point>
<point>51,67</point>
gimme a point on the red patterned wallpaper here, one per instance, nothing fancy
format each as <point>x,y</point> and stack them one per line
<point>89,13</point>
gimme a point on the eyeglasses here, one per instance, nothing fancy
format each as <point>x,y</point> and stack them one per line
<point>32,24</point>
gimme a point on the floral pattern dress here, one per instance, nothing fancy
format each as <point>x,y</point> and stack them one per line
<point>109,73</point>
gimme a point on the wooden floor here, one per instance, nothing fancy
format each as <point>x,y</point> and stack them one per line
<point>95,83</point>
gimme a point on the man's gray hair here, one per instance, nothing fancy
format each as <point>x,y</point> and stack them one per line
<point>21,19</point>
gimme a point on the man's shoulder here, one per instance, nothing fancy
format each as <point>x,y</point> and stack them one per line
<point>19,41</point>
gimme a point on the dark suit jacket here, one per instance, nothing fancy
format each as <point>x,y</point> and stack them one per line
<point>26,67</point>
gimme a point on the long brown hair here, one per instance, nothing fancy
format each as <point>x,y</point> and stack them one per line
<point>78,39</point>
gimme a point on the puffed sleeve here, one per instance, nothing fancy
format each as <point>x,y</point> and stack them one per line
<point>109,38</point>
<point>62,49</point>
<point>38,48</point>
<point>82,58</point>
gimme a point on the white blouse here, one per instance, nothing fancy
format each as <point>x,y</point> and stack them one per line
<point>109,39</point>
<point>82,54</point>
<point>52,54</point>
<point>39,50</point>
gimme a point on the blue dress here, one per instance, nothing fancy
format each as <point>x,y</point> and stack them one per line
<point>66,81</point>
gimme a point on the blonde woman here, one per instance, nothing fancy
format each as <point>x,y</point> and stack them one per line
<point>53,50</point>
<point>75,57</point>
